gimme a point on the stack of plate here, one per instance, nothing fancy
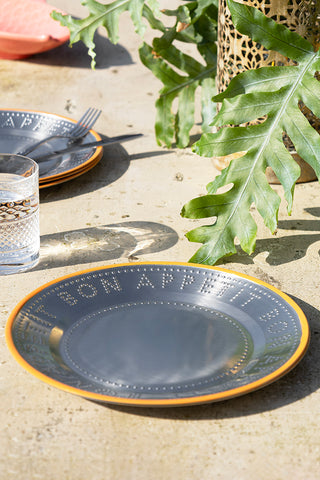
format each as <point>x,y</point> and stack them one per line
<point>21,128</point>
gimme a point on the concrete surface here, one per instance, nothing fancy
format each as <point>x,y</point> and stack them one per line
<point>139,189</point>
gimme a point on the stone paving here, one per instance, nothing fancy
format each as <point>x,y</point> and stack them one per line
<point>138,189</point>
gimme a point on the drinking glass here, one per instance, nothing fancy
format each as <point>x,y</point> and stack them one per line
<point>19,213</point>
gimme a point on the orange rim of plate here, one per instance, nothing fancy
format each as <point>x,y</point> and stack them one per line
<point>223,395</point>
<point>94,159</point>
<point>67,178</point>
<point>96,156</point>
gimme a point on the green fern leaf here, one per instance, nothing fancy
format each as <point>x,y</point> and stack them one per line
<point>107,16</point>
<point>274,92</point>
<point>182,74</point>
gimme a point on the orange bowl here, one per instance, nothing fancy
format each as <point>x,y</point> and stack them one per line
<point>26,28</point>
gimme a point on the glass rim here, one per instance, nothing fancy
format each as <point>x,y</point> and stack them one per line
<point>22,178</point>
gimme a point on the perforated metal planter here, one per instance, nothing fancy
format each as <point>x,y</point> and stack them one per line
<point>237,52</point>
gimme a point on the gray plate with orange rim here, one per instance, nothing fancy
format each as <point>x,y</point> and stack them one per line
<point>157,334</point>
<point>21,128</point>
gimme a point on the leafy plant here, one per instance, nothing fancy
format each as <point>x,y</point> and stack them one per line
<point>274,92</point>
<point>195,22</point>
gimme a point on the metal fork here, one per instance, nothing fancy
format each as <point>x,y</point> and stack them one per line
<point>78,132</point>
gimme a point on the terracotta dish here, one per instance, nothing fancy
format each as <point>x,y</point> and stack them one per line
<point>26,28</point>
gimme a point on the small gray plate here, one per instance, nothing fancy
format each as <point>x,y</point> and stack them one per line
<point>21,128</point>
<point>157,334</point>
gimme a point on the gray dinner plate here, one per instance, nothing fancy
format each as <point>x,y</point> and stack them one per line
<point>157,334</point>
<point>21,128</point>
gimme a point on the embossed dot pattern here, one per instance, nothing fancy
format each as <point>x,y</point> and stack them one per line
<point>19,129</point>
<point>169,357</point>
<point>105,331</point>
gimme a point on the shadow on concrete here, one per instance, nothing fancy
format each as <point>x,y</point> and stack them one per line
<point>278,250</point>
<point>282,249</point>
<point>156,153</point>
<point>113,164</point>
<point>104,243</point>
<point>107,55</point>
<point>303,380</point>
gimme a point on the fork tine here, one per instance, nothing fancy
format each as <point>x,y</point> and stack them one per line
<point>79,125</point>
<point>94,118</point>
<point>82,126</point>
<point>87,124</point>
<point>82,119</point>
<point>79,130</point>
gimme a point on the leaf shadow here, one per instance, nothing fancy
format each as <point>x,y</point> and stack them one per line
<point>76,56</point>
<point>281,249</point>
<point>300,382</point>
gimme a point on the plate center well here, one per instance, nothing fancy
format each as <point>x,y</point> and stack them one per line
<point>156,344</point>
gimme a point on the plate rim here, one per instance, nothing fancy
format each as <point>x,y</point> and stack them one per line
<point>95,157</point>
<point>165,402</point>
<point>67,178</point>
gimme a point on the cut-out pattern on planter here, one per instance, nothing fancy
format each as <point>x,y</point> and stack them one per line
<point>237,52</point>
